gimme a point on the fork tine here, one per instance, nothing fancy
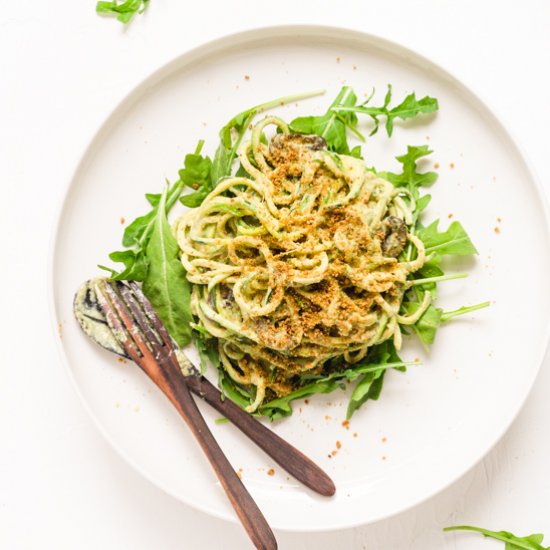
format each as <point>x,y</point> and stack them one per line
<point>151,314</point>
<point>118,329</point>
<point>130,327</point>
<point>141,318</point>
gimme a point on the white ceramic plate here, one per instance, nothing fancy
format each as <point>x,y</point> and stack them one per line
<point>432,423</point>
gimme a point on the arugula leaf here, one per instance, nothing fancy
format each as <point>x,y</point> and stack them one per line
<point>194,199</point>
<point>408,108</point>
<point>196,170</point>
<point>166,285</point>
<point>208,352</point>
<point>233,132</point>
<point>277,408</point>
<point>512,542</point>
<point>410,178</point>
<point>369,387</point>
<point>430,269</point>
<point>139,231</point>
<point>447,315</point>
<point>196,174</point>
<point>332,125</point>
<point>454,240</point>
<point>137,235</point>
<point>379,359</point>
<point>426,327</point>
<point>223,161</point>
<point>135,265</point>
<point>124,11</point>
<point>237,394</point>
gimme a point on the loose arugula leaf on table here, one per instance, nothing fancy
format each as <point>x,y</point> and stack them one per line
<point>408,108</point>
<point>166,285</point>
<point>512,542</point>
<point>124,11</point>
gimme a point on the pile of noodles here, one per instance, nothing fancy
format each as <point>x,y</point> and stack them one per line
<point>299,262</point>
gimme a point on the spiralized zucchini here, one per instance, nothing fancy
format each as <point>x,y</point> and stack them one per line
<point>298,262</point>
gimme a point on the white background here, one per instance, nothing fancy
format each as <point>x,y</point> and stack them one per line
<point>62,70</point>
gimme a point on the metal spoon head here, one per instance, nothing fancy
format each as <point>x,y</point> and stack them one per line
<point>87,312</point>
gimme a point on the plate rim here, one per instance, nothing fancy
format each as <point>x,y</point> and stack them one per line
<point>184,58</point>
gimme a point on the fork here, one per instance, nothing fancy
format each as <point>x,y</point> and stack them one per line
<point>144,338</point>
<point>89,315</point>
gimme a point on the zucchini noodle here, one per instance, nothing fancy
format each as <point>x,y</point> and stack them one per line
<point>299,262</point>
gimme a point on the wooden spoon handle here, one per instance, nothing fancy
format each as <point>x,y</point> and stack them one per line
<point>287,456</point>
<point>247,510</point>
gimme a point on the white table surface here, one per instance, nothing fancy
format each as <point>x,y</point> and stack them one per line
<point>62,69</point>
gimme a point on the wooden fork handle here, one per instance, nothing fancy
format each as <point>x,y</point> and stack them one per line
<point>249,514</point>
<point>287,456</point>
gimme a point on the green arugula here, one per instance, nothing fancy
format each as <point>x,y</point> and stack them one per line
<point>166,284</point>
<point>136,237</point>
<point>383,356</point>
<point>341,117</point>
<point>410,107</point>
<point>369,387</point>
<point>332,126</point>
<point>453,241</point>
<point>196,174</point>
<point>207,348</point>
<point>281,407</point>
<point>152,253</point>
<point>124,11</point>
<point>448,315</point>
<point>370,374</point>
<point>512,542</point>
<point>233,132</point>
<point>410,178</point>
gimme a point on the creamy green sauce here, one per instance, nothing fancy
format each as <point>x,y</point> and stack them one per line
<point>90,317</point>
